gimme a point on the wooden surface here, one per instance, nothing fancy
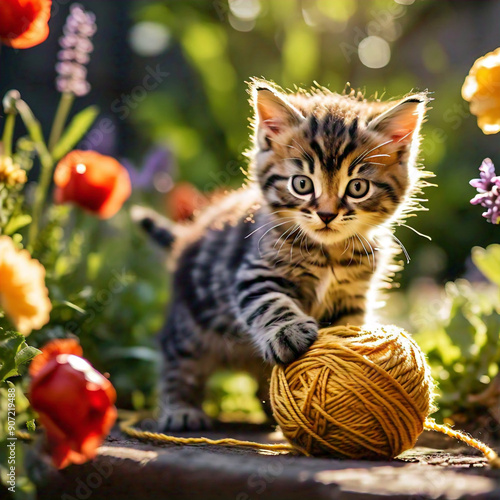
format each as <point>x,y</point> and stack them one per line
<point>130,469</point>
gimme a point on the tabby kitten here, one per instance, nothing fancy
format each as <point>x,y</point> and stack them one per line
<point>306,243</point>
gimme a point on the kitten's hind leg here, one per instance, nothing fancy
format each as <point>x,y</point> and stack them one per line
<point>183,377</point>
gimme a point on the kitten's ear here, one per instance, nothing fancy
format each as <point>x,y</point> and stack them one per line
<point>402,120</point>
<point>273,113</point>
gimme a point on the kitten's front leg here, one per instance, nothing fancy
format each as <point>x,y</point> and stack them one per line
<point>278,326</point>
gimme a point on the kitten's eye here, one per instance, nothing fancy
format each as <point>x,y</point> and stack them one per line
<point>302,184</point>
<point>357,188</point>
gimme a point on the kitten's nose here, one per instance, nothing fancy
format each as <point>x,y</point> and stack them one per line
<point>326,217</point>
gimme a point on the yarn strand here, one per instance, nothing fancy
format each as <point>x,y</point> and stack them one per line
<point>164,438</point>
<point>490,455</point>
<point>429,425</point>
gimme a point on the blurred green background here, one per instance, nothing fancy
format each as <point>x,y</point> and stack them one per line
<point>171,75</point>
<point>202,53</point>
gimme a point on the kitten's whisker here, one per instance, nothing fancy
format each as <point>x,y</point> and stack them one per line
<point>291,213</point>
<point>283,234</point>
<point>296,142</point>
<point>347,245</point>
<point>286,238</point>
<point>274,227</point>
<point>307,246</point>
<point>300,235</point>
<point>371,249</point>
<point>407,255</point>
<point>307,216</point>
<point>392,235</point>
<point>290,146</point>
<point>306,154</point>
<point>405,136</point>
<point>266,224</point>
<point>280,143</point>
<point>363,155</point>
<point>427,237</point>
<point>281,210</point>
<point>293,147</point>
<point>284,241</point>
<point>291,158</point>
<point>304,239</point>
<point>301,243</point>
<point>377,156</point>
<point>295,228</point>
<point>293,243</point>
<point>353,248</point>
<point>364,248</point>
<point>284,145</point>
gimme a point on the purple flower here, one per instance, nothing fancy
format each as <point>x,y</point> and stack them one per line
<point>156,172</point>
<point>75,52</point>
<point>488,187</point>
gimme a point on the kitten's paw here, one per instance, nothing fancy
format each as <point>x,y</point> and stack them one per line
<point>287,342</point>
<point>183,418</point>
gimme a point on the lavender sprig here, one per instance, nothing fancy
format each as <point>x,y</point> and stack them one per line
<point>76,47</point>
<point>488,188</point>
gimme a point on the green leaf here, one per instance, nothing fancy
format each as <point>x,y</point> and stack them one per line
<point>26,354</point>
<point>16,223</point>
<point>462,334</point>
<point>76,308</point>
<point>66,303</point>
<point>14,352</point>
<point>487,260</point>
<point>75,131</point>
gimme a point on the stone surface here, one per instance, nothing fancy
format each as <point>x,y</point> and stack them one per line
<point>130,469</point>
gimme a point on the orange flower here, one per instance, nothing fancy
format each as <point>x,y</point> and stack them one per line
<point>23,294</point>
<point>95,182</point>
<point>75,403</point>
<point>24,23</point>
<point>183,201</point>
<point>482,89</point>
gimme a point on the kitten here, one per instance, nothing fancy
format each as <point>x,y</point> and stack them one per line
<point>306,243</point>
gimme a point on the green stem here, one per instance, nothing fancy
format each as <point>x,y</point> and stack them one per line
<point>60,118</point>
<point>8,134</point>
<point>36,135</point>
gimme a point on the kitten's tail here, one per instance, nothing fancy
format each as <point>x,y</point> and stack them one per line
<point>161,229</point>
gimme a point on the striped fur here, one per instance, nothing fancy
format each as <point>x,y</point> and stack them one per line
<point>258,271</point>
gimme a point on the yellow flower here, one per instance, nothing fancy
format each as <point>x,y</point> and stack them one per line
<point>10,173</point>
<point>482,89</point>
<point>23,294</point>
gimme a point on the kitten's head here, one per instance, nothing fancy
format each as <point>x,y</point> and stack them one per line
<point>335,164</point>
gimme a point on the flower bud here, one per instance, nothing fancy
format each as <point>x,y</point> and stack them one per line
<point>10,100</point>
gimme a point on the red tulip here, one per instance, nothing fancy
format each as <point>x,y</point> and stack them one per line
<point>95,182</point>
<point>24,23</point>
<point>75,403</point>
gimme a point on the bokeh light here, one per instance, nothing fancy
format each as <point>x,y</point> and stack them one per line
<point>240,24</point>
<point>374,52</point>
<point>246,10</point>
<point>149,39</point>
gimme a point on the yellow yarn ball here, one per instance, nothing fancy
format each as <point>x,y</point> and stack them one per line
<point>356,393</point>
